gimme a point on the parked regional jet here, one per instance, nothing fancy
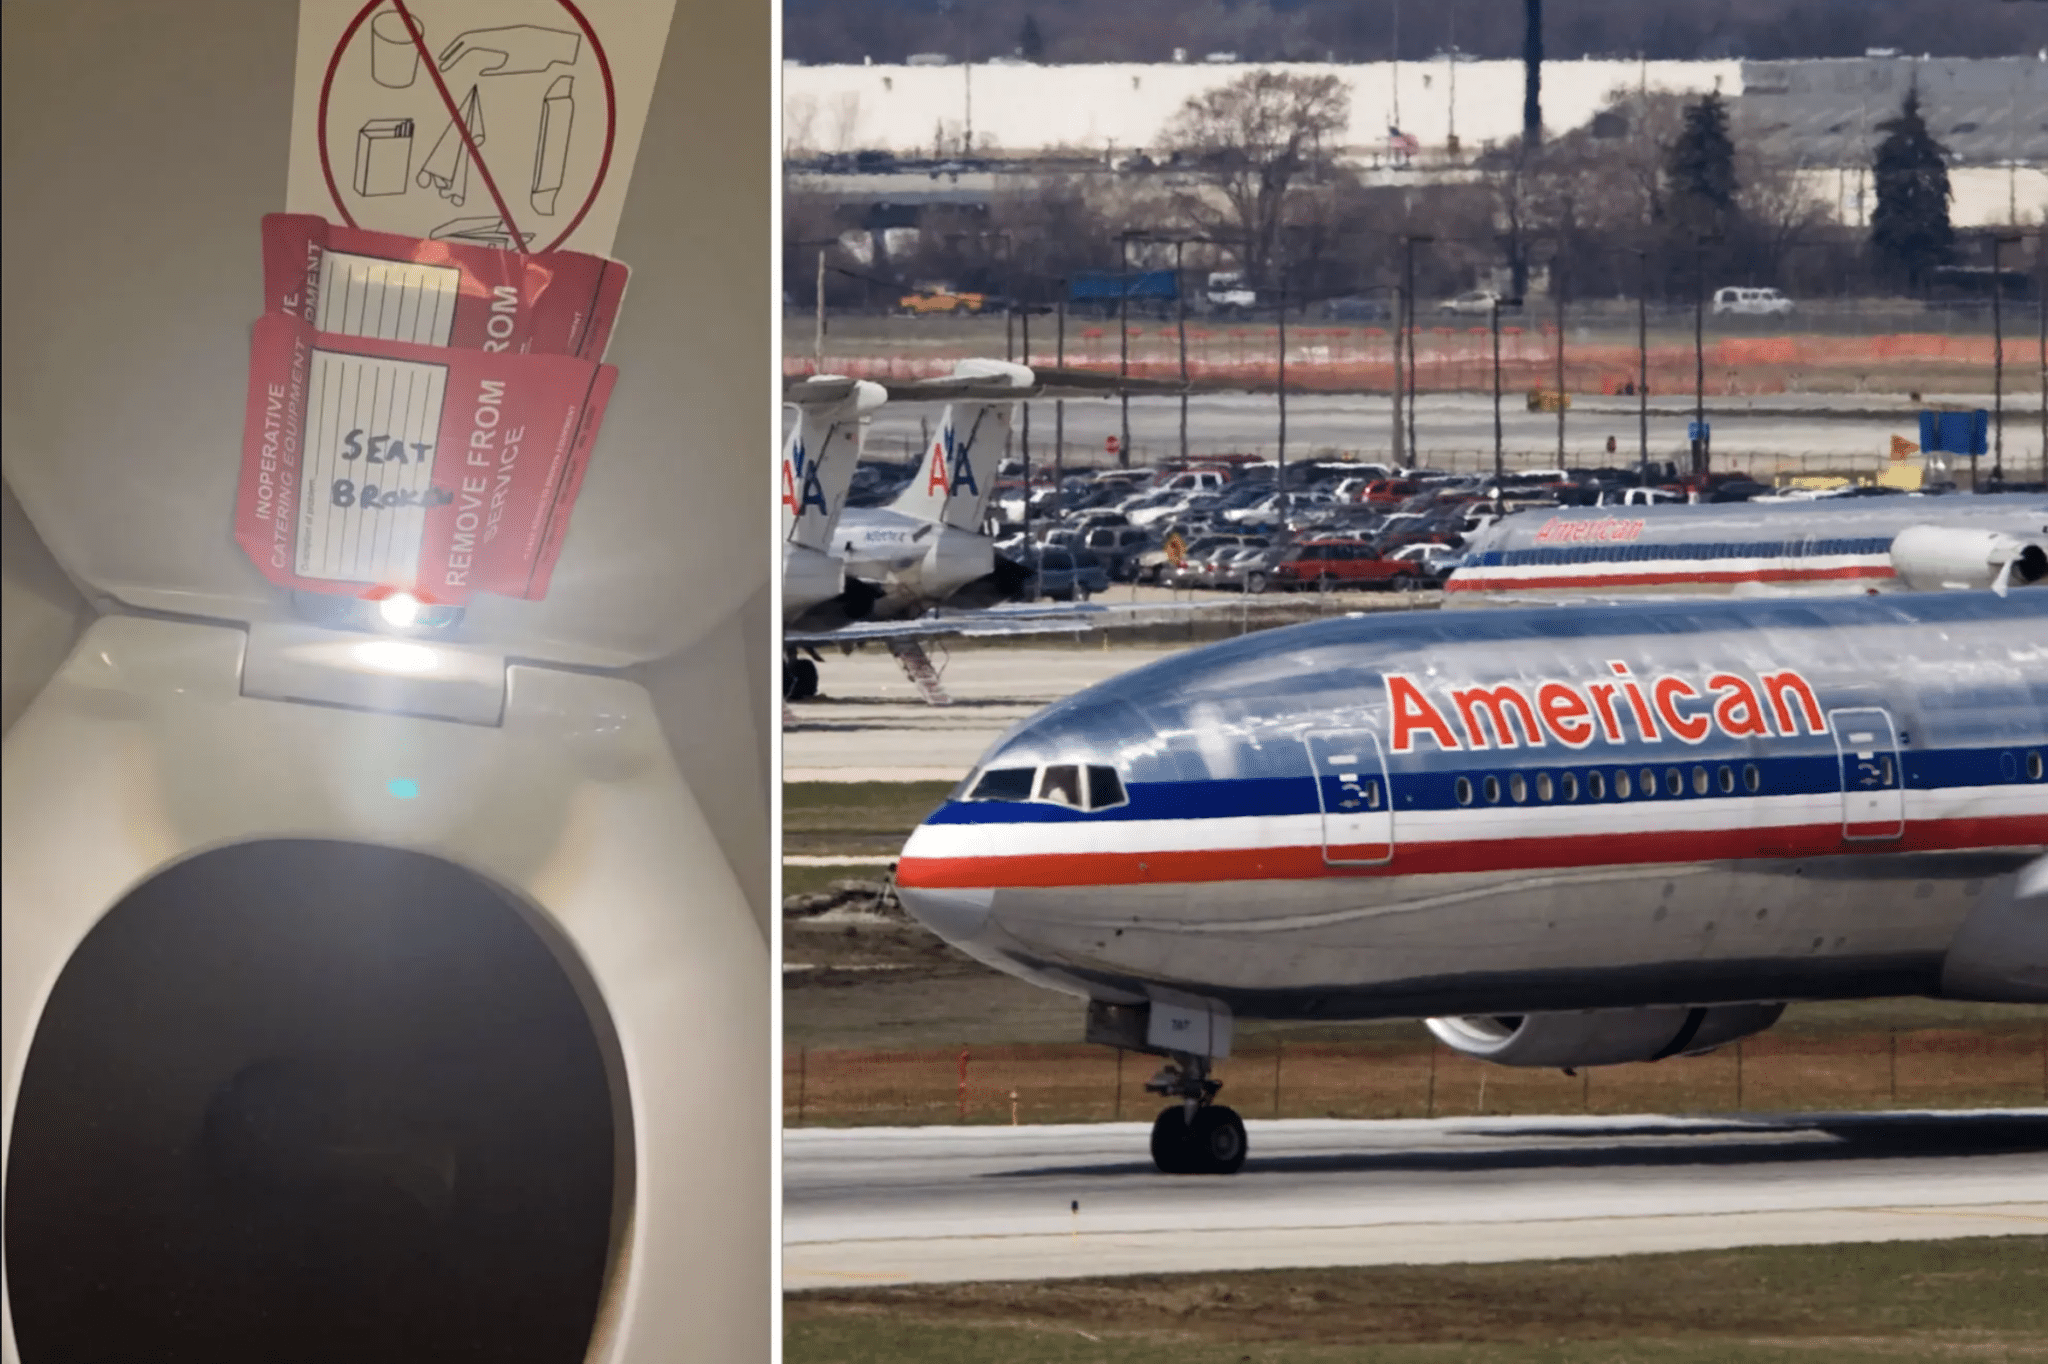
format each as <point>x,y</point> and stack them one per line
<point>883,574</point>
<point>1565,835</point>
<point>1850,546</point>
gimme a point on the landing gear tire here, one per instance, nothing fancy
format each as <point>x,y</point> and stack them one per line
<point>1254,582</point>
<point>799,680</point>
<point>1218,1141</point>
<point>1214,1144</point>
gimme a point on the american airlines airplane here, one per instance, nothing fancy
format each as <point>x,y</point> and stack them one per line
<point>929,544</point>
<point>1845,546</point>
<point>922,567</point>
<point>1564,835</point>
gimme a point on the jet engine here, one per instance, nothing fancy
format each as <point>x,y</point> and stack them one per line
<point>1936,558</point>
<point>2001,951</point>
<point>1601,1037</point>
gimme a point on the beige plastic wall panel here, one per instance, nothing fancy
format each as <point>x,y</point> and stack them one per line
<point>709,699</point>
<point>41,612</point>
<point>144,143</point>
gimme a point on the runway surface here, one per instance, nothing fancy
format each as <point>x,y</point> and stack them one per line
<point>910,1205</point>
<point>872,725</point>
<point>1454,431</point>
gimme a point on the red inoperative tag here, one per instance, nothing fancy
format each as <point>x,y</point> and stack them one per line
<point>372,463</point>
<point>348,281</point>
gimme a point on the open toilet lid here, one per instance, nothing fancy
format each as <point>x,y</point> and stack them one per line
<point>134,278</point>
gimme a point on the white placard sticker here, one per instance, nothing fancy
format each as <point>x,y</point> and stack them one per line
<point>392,300</point>
<point>497,122</point>
<point>367,478</point>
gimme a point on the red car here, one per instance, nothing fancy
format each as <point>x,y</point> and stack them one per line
<point>1344,563</point>
<point>1390,490</point>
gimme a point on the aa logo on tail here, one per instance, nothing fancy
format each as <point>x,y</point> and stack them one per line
<point>801,489</point>
<point>948,451</point>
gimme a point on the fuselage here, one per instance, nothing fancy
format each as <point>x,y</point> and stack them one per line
<point>917,564</point>
<point>1510,811</point>
<point>1828,547</point>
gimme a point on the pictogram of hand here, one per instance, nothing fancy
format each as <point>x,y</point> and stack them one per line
<point>520,49</point>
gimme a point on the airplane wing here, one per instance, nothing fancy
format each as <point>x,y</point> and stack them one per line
<point>1005,620</point>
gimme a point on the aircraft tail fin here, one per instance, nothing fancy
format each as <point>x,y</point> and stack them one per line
<point>957,479</point>
<point>820,453</point>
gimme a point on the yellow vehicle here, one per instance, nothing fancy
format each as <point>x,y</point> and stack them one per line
<point>940,301</point>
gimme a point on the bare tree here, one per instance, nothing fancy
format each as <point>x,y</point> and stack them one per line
<point>1250,141</point>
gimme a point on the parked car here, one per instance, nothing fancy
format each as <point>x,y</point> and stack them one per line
<point>1474,303</point>
<point>1118,547</point>
<point>1751,302</point>
<point>1341,563</point>
<point>1064,575</point>
<point>1246,566</point>
<point>1436,561</point>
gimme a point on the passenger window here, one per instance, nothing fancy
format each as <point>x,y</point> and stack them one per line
<point>1372,795</point>
<point>1062,786</point>
<point>1518,788</point>
<point>1004,783</point>
<point>1674,781</point>
<point>1752,779</point>
<point>1492,789</point>
<point>2034,766</point>
<point>1596,786</point>
<point>1647,780</point>
<point>1700,781</point>
<point>1568,786</point>
<point>1727,780</point>
<point>1886,764</point>
<point>1543,791</point>
<point>1464,789</point>
<point>1105,788</point>
<point>1621,787</point>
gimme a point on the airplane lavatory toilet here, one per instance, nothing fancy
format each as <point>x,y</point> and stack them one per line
<point>374,988</point>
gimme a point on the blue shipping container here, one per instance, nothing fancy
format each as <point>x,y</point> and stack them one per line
<point>1107,286</point>
<point>1956,433</point>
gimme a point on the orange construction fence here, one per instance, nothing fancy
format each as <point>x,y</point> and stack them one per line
<point>1928,1068</point>
<point>1455,359</point>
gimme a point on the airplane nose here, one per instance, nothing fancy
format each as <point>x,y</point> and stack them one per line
<point>958,916</point>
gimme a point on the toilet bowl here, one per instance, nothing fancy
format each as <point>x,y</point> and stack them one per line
<point>386,1011</point>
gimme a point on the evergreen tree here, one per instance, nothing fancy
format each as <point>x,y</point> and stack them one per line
<point>1909,230</point>
<point>1030,42</point>
<point>1699,170</point>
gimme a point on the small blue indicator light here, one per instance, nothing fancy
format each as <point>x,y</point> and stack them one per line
<point>403,789</point>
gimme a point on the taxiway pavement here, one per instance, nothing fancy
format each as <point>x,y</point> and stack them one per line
<point>869,1206</point>
<point>871,725</point>
<point>1455,431</point>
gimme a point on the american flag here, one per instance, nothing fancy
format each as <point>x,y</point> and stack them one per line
<point>1403,143</point>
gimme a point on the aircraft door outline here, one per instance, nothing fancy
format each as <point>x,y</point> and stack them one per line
<point>1873,778</point>
<point>1353,795</point>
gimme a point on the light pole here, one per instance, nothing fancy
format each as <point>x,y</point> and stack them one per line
<point>1059,406</point>
<point>1998,244</point>
<point>1557,297</point>
<point>1408,297</point>
<point>1700,453</point>
<point>1499,453</point>
<point>1180,324</point>
<point>1123,339</point>
<point>1643,367</point>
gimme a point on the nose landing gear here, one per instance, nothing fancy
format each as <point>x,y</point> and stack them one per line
<point>1196,1136</point>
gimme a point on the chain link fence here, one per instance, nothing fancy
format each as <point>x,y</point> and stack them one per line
<point>1922,1068</point>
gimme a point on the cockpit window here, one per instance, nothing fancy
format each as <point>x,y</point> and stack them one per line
<point>1005,783</point>
<point>1061,785</point>
<point>1068,784</point>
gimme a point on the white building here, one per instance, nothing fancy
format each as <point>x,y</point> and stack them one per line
<point>1993,113</point>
